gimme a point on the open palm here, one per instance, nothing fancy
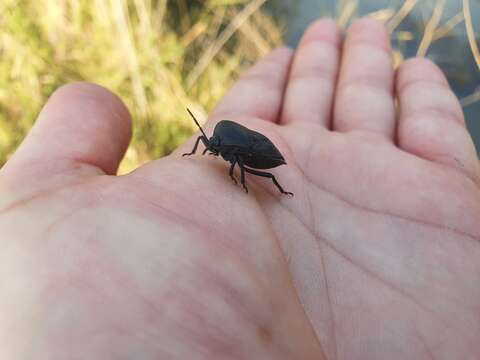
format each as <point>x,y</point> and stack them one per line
<point>376,257</point>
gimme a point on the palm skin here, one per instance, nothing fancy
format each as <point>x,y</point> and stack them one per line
<point>376,257</point>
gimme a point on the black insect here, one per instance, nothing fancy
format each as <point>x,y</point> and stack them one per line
<point>240,145</point>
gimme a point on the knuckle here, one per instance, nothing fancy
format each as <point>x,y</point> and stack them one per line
<point>351,88</point>
<point>429,122</point>
<point>419,70</point>
<point>430,97</point>
<point>316,59</point>
<point>363,89</point>
<point>418,62</point>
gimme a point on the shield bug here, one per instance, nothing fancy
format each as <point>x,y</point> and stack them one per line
<point>241,146</point>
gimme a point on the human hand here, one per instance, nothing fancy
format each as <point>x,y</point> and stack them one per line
<point>174,261</point>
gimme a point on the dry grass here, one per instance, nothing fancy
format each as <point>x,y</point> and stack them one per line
<point>471,99</point>
<point>347,10</point>
<point>400,15</point>
<point>237,21</point>
<point>431,28</point>
<point>161,55</point>
<point>434,30</point>
<point>447,29</point>
<point>471,32</point>
<point>158,55</point>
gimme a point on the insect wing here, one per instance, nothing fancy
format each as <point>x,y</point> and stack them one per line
<point>233,134</point>
<point>265,155</point>
<point>256,149</point>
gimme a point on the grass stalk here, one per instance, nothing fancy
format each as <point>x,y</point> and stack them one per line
<point>401,14</point>
<point>431,28</point>
<point>471,32</point>
<point>214,49</point>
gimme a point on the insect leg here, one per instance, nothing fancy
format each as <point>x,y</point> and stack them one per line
<point>242,175</point>
<point>268,175</point>
<point>207,149</point>
<point>231,172</point>
<point>196,146</point>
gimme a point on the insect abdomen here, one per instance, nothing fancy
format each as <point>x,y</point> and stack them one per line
<point>260,161</point>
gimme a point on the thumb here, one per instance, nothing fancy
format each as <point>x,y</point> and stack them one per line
<point>82,128</point>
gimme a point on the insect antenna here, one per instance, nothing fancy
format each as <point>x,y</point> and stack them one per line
<point>196,122</point>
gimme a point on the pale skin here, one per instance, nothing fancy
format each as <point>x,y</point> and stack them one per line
<point>376,257</point>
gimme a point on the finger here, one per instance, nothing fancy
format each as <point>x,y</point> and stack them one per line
<point>311,84</point>
<point>259,92</point>
<point>82,127</point>
<point>365,87</point>
<point>431,123</point>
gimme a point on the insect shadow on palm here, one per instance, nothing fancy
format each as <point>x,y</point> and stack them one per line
<point>241,146</point>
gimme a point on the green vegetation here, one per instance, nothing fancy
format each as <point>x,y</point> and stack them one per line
<point>158,56</point>
<point>162,55</point>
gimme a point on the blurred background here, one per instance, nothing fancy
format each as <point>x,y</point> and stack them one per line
<point>161,55</point>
